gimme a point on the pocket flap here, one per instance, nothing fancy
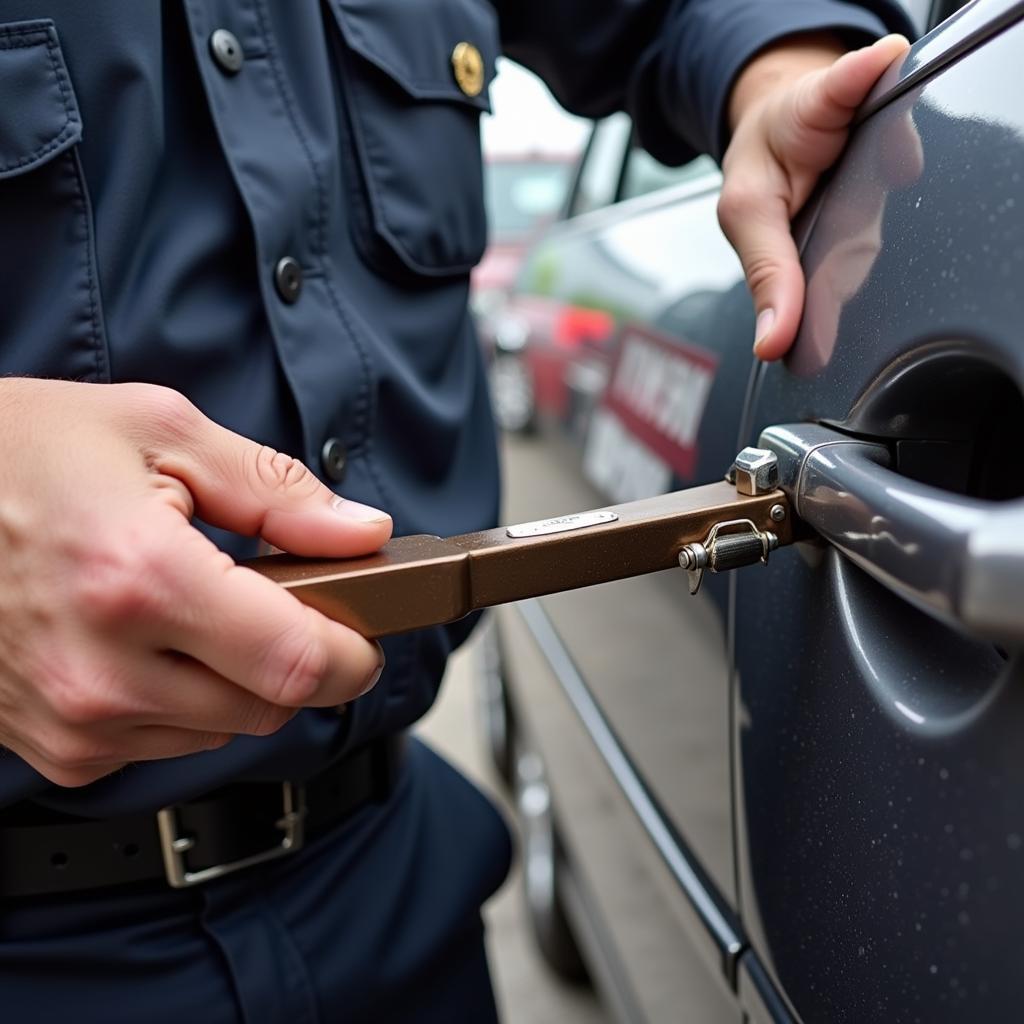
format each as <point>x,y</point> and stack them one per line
<point>38,112</point>
<point>415,43</point>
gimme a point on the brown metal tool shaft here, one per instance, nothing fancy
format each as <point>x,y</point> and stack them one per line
<point>422,581</point>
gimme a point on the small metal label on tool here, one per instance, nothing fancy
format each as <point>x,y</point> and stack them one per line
<point>562,524</point>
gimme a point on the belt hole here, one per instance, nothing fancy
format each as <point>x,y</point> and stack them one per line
<point>59,860</point>
<point>130,849</point>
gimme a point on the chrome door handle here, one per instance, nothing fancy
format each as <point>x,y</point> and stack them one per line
<point>960,559</point>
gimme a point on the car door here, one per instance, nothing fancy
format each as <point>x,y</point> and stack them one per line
<point>878,704</point>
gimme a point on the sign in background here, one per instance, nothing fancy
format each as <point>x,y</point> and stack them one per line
<point>658,389</point>
<point>647,425</point>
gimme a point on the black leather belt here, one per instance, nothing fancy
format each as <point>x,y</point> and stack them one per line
<point>243,824</point>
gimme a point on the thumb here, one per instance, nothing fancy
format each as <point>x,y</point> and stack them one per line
<point>847,83</point>
<point>251,489</point>
<point>757,225</point>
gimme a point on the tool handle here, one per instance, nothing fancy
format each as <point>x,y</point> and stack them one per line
<point>421,580</point>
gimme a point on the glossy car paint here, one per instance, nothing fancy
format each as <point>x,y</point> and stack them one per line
<point>770,890</point>
<point>881,829</point>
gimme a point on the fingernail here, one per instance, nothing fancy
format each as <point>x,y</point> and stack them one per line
<point>765,322</point>
<point>354,510</point>
<point>376,675</point>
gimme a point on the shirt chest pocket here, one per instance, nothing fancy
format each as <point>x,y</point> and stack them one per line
<point>50,321</point>
<point>414,80</point>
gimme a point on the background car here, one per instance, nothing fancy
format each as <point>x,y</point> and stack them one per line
<point>795,796</point>
<point>531,147</point>
<point>553,318</point>
<point>524,193</point>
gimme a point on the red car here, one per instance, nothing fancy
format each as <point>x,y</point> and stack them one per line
<point>524,195</point>
<point>548,332</point>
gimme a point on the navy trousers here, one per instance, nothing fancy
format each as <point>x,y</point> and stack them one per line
<point>377,921</point>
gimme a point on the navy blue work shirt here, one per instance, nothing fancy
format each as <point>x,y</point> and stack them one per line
<point>152,181</point>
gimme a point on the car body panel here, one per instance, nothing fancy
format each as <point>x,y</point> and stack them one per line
<point>881,828</point>
<point>663,961</point>
<point>827,769</point>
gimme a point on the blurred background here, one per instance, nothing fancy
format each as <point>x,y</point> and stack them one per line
<point>531,147</point>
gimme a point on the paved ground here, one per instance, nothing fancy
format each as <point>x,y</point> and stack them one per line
<point>527,992</point>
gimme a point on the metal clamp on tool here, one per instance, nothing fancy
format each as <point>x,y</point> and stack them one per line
<point>738,542</point>
<point>730,545</point>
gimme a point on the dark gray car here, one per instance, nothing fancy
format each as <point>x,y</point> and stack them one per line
<point>798,796</point>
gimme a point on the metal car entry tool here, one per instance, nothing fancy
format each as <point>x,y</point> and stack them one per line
<point>420,580</point>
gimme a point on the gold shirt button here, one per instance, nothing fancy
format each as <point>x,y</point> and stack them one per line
<point>468,66</point>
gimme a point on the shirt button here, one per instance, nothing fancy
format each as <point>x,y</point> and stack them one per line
<point>334,458</point>
<point>227,51</point>
<point>288,278</point>
<point>468,68</point>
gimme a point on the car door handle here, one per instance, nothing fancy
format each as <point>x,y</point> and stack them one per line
<point>960,559</point>
<point>421,580</point>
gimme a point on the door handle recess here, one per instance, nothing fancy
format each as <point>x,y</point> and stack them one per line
<point>960,559</point>
<point>420,581</point>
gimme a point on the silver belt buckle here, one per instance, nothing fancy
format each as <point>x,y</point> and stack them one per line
<point>174,846</point>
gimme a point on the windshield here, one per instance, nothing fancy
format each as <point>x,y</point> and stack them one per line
<point>523,194</point>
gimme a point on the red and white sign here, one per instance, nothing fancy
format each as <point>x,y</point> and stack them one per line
<point>658,389</point>
<point>618,465</point>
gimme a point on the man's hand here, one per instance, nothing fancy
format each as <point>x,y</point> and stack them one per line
<point>790,112</point>
<point>125,635</point>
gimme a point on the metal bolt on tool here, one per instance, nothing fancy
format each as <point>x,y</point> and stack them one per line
<point>756,471</point>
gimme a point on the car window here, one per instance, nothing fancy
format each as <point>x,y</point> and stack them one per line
<point>643,174</point>
<point>918,11</point>
<point>926,14</point>
<point>524,194</point>
<point>942,9</point>
<point>598,181</point>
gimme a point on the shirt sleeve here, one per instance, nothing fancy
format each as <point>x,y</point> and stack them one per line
<point>670,63</point>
